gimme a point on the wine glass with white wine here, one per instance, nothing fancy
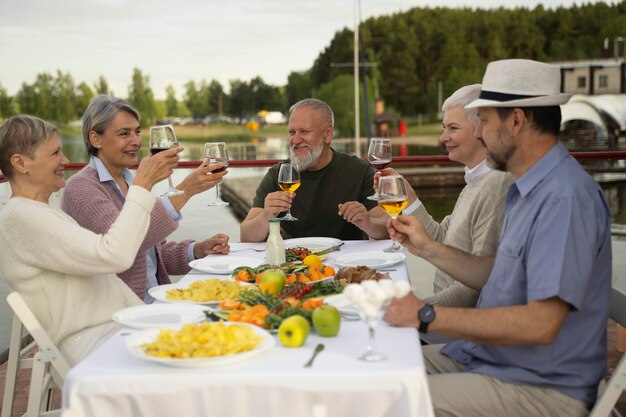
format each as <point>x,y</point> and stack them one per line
<point>289,181</point>
<point>161,139</point>
<point>215,152</point>
<point>393,199</point>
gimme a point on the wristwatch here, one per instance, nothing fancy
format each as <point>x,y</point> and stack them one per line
<point>425,315</point>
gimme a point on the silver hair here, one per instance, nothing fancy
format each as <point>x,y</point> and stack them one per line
<point>461,98</point>
<point>99,115</point>
<point>22,134</point>
<point>315,104</point>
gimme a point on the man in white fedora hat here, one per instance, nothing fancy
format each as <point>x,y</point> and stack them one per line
<point>536,343</point>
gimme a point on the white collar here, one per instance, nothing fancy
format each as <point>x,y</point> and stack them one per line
<point>473,175</point>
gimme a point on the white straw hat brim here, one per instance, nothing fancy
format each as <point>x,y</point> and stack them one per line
<point>541,101</point>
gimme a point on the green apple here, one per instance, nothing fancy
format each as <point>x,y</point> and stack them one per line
<point>327,321</point>
<point>275,277</point>
<point>293,331</point>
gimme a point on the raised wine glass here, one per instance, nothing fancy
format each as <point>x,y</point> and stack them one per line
<point>393,199</point>
<point>215,152</point>
<point>289,181</point>
<point>379,156</point>
<point>163,138</point>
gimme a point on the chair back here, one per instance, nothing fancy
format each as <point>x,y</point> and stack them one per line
<point>48,363</point>
<point>605,405</point>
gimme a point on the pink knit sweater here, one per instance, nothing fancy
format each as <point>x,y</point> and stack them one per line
<point>95,206</point>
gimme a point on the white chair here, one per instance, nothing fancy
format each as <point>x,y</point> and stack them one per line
<point>48,365</point>
<point>605,405</point>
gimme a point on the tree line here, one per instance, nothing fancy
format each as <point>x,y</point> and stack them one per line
<point>413,53</point>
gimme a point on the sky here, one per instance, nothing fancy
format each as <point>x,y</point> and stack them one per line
<point>175,41</point>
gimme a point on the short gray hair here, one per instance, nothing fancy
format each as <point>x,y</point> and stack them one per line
<point>22,134</point>
<point>461,98</point>
<point>315,104</point>
<point>99,115</point>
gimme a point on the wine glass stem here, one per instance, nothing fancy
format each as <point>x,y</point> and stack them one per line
<point>217,191</point>
<point>377,193</point>
<point>372,337</point>
<point>171,183</point>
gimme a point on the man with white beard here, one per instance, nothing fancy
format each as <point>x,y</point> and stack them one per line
<point>331,184</point>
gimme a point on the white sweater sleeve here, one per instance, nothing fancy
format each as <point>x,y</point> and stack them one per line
<point>50,239</point>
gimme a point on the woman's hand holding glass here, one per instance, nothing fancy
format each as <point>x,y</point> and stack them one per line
<point>156,168</point>
<point>389,172</point>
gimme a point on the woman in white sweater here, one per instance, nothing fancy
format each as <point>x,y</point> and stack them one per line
<point>65,273</point>
<point>475,222</point>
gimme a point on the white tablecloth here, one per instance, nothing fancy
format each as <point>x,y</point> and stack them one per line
<point>111,382</point>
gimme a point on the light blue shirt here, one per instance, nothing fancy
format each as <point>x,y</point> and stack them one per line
<point>151,259</point>
<point>555,242</point>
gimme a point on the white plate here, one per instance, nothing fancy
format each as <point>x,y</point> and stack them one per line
<point>223,264</point>
<point>135,340</point>
<point>341,303</point>
<point>370,259</point>
<point>312,243</point>
<point>160,293</point>
<point>159,315</point>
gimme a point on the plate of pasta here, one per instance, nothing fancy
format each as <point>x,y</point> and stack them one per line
<point>209,292</point>
<point>199,345</point>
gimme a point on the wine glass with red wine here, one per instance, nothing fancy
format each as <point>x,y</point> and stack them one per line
<point>215,152</point>
<point>379,156</point>
<point>163,138</point>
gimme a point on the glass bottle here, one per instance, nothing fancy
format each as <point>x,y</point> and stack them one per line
<point>275,250</point>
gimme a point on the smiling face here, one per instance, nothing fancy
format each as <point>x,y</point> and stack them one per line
<point>500,144</point>
<point>45,168</point>
<point>309,133</point>
<point>119,145</point>
<point>458,138</point>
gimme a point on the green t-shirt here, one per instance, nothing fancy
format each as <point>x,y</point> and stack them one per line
<point>345,178</point>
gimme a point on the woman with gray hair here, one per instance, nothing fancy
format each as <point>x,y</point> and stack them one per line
<point>95,196</point>
<point>66,273</point>
<point>475,222</point>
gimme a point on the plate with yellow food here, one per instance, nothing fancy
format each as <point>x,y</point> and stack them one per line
<point>150,316</point>
<point>208,292</point>
<point>200,345</point>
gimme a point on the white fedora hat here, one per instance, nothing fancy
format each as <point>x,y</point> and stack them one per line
<point>520,83</point>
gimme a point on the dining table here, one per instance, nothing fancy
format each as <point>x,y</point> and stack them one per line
<point>112,382</point>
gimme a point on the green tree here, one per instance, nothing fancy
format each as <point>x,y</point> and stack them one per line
<point>241,101</point>
<point>171,104</point>
<point>218,99</point>
<point>63,107</point>
<point>299,86</point>
<point>141,97</point>
<point>102,87</point>
<point>84,95</point>
<point>7,107</point>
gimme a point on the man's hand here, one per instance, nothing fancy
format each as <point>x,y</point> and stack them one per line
<point>409,232</point>
<point>217,244</point>
<point>277,202</point>
<point>402,312</point>
<point>356,213</point>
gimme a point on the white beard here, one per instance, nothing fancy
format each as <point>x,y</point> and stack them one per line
<point>308,160</point>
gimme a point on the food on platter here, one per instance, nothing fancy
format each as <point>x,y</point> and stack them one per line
<point>298,253</point>
<point>357,274</point>
<point>203,340</point>
<point>296,272</point>
<point>206,290</point>
<point>268,310</point>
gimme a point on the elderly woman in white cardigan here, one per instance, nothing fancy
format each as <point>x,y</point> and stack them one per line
<point>65,273</point>
<point>476,220</point>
